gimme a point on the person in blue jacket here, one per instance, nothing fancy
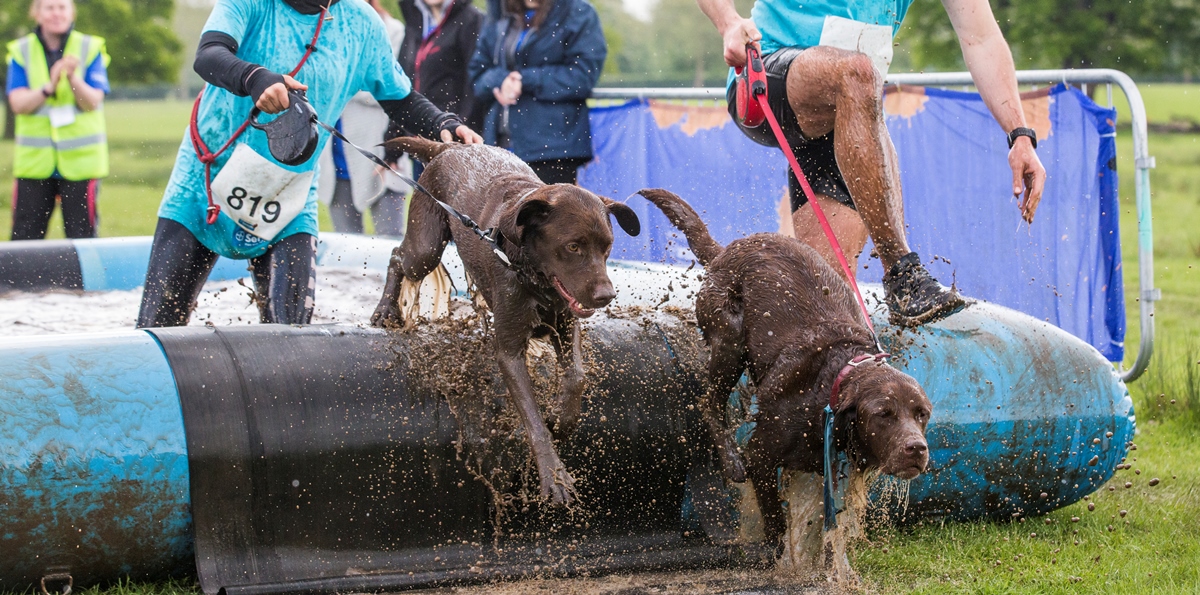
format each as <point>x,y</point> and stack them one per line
<point>241,202</point>
<point>533,70</point>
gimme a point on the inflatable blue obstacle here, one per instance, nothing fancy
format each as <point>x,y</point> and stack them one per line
<point>271,459</point>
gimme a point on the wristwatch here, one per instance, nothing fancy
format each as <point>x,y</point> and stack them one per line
<point>1029,132</point>
<point>46,93</point>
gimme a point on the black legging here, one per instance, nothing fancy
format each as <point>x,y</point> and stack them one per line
<point>284,278</point>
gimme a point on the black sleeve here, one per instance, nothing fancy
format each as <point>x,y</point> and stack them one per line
<point>417,115</point>
<point>217,63</point>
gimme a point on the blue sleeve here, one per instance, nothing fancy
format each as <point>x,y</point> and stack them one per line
<point>17,78</point>
<point>386,80</point>
<point>231,17</point>
<point>574,80</point>
<point>97,75</point>
<point>485,74</point>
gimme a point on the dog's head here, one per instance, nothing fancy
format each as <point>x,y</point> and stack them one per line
<point>882,420</point>
<point>564,233</point>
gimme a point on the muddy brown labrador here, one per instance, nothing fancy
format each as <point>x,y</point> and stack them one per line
<point>558,238</point>
<point>771,304</point>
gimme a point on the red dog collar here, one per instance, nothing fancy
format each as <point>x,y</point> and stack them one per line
<point>854,363</point>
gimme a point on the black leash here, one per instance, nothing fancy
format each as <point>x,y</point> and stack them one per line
<point>489,235</point>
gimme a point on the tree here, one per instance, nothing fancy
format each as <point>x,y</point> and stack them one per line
<point>143,47</point>
<point>1143,37</point>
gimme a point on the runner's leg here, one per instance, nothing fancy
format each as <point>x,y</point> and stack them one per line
<point>32,203</point>
<point>286,280</point>
<point>179,266</point>
<point>831,89</point>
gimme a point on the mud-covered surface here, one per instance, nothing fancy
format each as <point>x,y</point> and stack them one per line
<point>689,582</point>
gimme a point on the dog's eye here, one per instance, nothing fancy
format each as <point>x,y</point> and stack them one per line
<point>573,247</point>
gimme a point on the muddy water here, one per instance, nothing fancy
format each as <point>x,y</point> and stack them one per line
<point>696,582</point>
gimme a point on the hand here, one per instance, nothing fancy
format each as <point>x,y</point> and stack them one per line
<point>69,66</point>
<point>741,33</point>
<point>275,98</point>
<point>1029,177</point>
<point>468,136</point>
<point>510,89</point>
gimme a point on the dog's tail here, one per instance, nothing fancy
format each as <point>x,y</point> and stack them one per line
<point>684,217</point>
<point>423,149</point>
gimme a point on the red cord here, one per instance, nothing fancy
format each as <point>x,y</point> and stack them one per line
<point>812,200</point>
<point>208,157</point>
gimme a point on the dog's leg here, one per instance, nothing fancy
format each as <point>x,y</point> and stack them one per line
<point>726,363</point>
<point>765,478</point>
<point>556,483</point>
<point>565,415</point>
<point>417,256</point>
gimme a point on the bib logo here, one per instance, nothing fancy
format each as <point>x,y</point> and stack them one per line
<point>245,241</point>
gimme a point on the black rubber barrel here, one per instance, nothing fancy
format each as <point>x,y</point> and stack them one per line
<point>41,264</point>
<point>330,458</point>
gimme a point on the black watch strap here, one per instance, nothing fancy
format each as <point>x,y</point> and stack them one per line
<point>1029,132</point>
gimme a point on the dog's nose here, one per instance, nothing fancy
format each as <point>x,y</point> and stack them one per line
<point>603,295</point>
<point>916,447</point>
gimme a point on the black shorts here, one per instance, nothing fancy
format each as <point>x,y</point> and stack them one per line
<point>814,155</point>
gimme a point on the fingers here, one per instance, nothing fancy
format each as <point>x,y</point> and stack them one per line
<point>468,136</point>
<point>503,98</point>
<point>447,137</point>
<point>294,84</point>
<point>274,99</point>
<point>737,38</point>
<point>1029,178</point>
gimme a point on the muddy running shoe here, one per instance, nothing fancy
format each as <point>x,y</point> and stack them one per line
<point>914,297</point>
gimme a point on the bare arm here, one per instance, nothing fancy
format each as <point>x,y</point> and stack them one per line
<point>87,98</point>
<point>990,61</point>
<point>25,100</point>
<point>736,31</point>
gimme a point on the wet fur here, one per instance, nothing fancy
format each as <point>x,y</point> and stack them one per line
<point>559,236</point>
<point>772,304</point>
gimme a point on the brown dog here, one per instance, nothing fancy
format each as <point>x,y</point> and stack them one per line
<point>771,304</point>
<point>557,237</point>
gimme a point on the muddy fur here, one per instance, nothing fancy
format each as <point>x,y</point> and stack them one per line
<point>772,305</point>
<point>557,237</point>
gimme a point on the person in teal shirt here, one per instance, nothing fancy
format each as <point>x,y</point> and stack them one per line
<point>825,62</point>
<point>266,211</point>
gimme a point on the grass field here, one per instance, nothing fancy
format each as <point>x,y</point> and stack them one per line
<point>1154,549</point>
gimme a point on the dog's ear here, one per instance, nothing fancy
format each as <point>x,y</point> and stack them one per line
<point>626,218</point>
<point>521,216</point>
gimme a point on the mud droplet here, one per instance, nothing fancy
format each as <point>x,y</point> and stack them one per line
<point>1154,482</point>
<point>1092,462</point>
<point>1091,507</point>
<point>603,418</point>
<point>1074,519</point>
<point>1128,484</point>
<point>1043,495</point>
<point>1108,434</point>
<point>1095,441</point>
<point>1123,513</point>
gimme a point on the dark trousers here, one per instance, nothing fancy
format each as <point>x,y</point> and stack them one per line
<point>33,203</point>
<point>284,278</point>
<point>558,171</point>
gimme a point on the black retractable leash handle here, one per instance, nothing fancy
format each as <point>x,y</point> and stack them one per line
<point>292,136</point>
<point>491,236</point>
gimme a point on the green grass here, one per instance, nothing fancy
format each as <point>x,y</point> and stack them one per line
<point>1164,102</point>
<point>1155,552</point>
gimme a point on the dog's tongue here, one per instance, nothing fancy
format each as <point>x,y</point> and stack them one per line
<point>576,307</point>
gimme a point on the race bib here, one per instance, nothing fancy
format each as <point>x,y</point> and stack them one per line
<point>61,115</point>
<point>260,196</point>
<point>873,40</point>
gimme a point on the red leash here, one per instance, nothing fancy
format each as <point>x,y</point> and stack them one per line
<point>758,93</point>
<point>208,157</point>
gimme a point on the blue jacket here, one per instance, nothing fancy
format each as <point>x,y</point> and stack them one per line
<point>560,63</point>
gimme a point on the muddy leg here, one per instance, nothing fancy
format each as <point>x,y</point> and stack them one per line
<point>765,478</point>
<point>556,483</point>
<point>565,415</point>
<point>725,366</point>
<point>417,256</point>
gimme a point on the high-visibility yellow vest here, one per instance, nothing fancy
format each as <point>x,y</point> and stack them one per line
<point>79,150</point>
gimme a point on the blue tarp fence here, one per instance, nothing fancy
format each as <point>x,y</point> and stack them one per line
<point>960,214</point>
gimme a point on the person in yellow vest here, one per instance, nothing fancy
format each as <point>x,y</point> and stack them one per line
<point>57,80</point>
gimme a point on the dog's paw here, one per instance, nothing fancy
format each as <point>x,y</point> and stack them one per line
<point>387,315</point>
<point>559,487</point>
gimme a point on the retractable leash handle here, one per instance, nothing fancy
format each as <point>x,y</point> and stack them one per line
<point>751,82</point>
